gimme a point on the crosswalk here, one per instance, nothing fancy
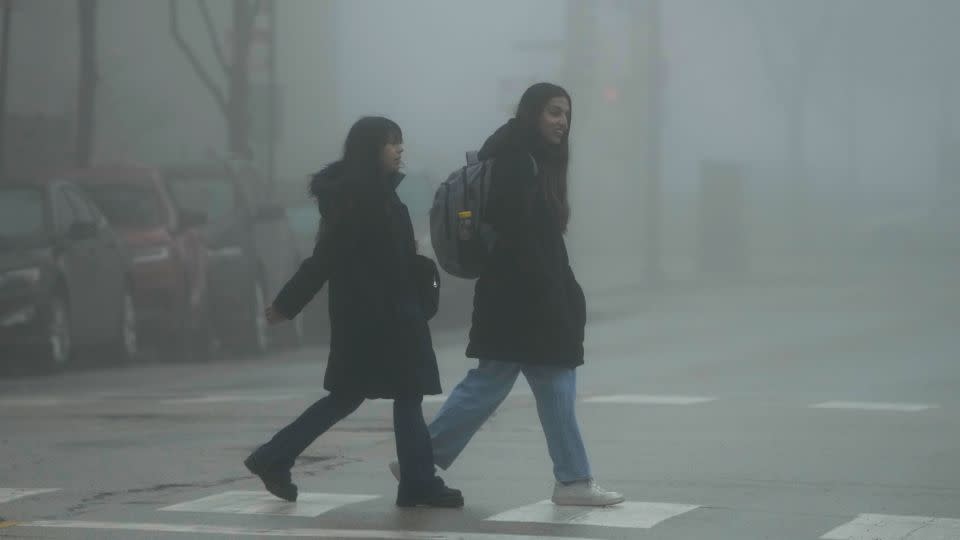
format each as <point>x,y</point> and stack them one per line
<point>631,515</point>
<point>875,406</point>
<point>641,399</point>
<point>258,502</point>
<point>587,399</point>
<point>12,494</point>
<point>883,527</point>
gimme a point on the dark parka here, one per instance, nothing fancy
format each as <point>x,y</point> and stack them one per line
<point>380,344</point>
<point>528,306</point>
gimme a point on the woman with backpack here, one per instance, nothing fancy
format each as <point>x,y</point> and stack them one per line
<point>380,301</point>
<point>529,311</point>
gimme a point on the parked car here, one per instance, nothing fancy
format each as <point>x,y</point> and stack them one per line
<point>168,252</point>
<point>251,249</point>
<point>304,221</point>
<point>65,277</point>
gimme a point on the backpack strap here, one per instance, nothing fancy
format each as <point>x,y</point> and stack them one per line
<point>473,157</point>
<point>536,168</point>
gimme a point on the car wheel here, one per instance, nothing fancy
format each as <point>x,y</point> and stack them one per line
<point>58,348</point>
<point>127,346</point>
<point>203,343</point>
<point>254,336</point>
<point>261,329</point>
<point>297,331</point>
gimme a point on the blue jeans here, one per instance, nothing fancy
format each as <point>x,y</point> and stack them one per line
<point>485,388</point>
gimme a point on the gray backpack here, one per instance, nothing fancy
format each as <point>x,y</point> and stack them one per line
<point>461,240</point>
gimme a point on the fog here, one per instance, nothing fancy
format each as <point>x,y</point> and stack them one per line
<point>765,222</point>
<point>717,139</point>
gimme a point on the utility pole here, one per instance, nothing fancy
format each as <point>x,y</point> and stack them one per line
<point>649,70</point>
<point>87,82</point>
<point>7,8</point>
<point>580,75</point>
<point>273,106</point>
<point>615,70</point>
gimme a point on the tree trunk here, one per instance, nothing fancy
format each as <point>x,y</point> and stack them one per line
<point>4,64</point>
<point>87,83</point>
<point>238,104</point>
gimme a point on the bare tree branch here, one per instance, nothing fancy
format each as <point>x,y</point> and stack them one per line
<point>212,33</point>
<point>254,10</point>
<point>205,78</point>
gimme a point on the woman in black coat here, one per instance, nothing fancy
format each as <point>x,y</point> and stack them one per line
<point>529,312</point>
<point>380,346</point>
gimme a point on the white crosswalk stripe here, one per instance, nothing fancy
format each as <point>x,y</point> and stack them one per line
<point>38,401</point>
<point>642,399</point>
<point>230,398</point>
<point>233,532</point>
<point>260,502</point>
<point>887,527</point>
<point>628,515</point>
<point>12,494</point>
<point>874,406</point>
<point>633,515</point>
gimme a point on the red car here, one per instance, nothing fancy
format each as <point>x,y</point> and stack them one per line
<point>169,256</point>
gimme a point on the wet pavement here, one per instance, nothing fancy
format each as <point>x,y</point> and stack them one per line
<point>794,411</point>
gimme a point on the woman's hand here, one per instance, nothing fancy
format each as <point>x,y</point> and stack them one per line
<point>274,316</point>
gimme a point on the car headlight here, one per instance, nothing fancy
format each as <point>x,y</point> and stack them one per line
<point>28,276</point>
<point>225,252</point>
<point>151,254</point>
<point>20,316</point>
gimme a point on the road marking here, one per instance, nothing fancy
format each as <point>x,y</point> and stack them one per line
<point>884,527</point>
<point>259,502</point>
<point>641,399</point>
<point>34,402</point>
<point>12,494</point>
<point>442,398</point>
<point>633,515</point>
<point>874,406</point>
<point>230,399</point>
<point>289,533</point>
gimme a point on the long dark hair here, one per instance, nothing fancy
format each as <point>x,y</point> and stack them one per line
<point>364,145</point>
<point>553,158</point>
<point>359,172</point>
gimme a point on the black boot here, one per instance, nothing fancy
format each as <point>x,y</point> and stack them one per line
<point>275,478</point>
<point>438,495</point>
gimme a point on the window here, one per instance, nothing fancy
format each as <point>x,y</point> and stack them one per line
<point>81,210</point>
<point>65,216</point>
<point>22,213</point>
<point>214,197</point>
<point>128,206</point>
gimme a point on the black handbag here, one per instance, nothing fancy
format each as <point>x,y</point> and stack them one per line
<point>428,285</point>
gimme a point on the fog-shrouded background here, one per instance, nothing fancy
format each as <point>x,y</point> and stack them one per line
<point>739,138</point>
<point>765,202</point>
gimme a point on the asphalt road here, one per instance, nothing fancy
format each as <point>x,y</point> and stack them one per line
<point>783,411</point>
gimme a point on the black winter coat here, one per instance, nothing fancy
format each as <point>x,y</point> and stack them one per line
<point>528,306</point>
<point>380,345</point>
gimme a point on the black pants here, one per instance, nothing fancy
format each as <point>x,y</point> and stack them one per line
<point>414,450</point>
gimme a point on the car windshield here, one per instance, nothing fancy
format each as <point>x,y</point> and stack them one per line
<point>127,206</point>
<point>212,197</point>
<point>22,215</point>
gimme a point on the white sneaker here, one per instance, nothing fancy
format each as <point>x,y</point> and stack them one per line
<point>585,493</point>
